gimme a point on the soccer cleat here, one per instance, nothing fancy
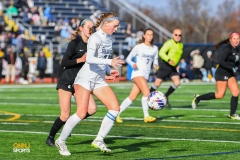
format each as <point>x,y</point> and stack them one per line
<point>234,116</point>
<point>62,147</point>
<point>50,141</point>
<point>168,104</point>
<point>149,119</point>
<point>194,101</point>
<point>119,119</point>
<point>101,146</point>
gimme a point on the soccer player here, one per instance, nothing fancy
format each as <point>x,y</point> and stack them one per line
<point>91,79</point>
<point>170,54</point>
<point>73,60</point>
<point>145,54</point>
<point>228,57</point>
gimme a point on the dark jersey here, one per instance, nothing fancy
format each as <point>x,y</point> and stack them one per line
<point>228,59</point>
<point>76,49</point>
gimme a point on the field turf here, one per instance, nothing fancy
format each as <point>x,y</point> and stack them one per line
<point>27,113</point>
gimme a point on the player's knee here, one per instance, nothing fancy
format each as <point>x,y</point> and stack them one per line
<point>114,108</point>
<point>81,115</point>
<point>64,117</point>
<point>219,95</point>
<point>235,93</point>
<point>92,111</point>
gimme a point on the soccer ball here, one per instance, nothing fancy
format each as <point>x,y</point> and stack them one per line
<point>156,100</point>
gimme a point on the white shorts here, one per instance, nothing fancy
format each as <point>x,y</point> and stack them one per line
<point>89,85</point>
<point>137,73</point>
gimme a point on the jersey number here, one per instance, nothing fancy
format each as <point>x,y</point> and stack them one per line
<point>148,61</point>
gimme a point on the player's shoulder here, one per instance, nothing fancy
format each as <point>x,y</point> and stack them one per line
<point>95,37</point>
<point>155,47</point>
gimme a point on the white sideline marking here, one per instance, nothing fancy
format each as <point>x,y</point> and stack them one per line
<point>132,106</point>
<point>99,119</point>
<point>110,84</point>
<point>15,123</point>
<point>126,137</point>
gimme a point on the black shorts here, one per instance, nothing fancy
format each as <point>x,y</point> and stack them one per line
<point>165,70</point>
<point>65,87</point>
<point>222,77</point>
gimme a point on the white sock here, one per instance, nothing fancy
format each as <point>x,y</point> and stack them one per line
<point>68,127</point>
<point>107,124</point>
<point>125,104</point>
<point>153,86</point>
<point>145,106</point>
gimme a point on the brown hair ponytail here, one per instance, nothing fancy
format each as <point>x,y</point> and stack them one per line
<point>103,16</point>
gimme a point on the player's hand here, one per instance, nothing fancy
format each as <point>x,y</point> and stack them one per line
<point>156,66</point>
<point>114,74</point>
<point>82,59</point>
<point>117,62</point>
<point>135,66</point>
<point>110,78</point>
<point>171,62</point>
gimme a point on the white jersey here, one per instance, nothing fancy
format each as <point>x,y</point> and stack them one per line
<point>145,56</point>
<point>99,50</point>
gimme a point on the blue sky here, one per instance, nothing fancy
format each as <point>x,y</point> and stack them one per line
<point>163,3</point>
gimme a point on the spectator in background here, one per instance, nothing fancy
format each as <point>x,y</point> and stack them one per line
<point>30,3</point>
<point>2,6</point>
<point>190,73</point>
<point>73,23</point>
<point>182,69</point>
<point>26,15</point>
<point>19,44</point>
<point>210,68</point>
<point>48,15</point>
<point>131,40</point>
<point>42,65</point>
<point>66,30</point>
<point>11,9</point>
<point>11,60</point>
<point>94,17</point>
<point>1,63</point>
<point>35,16</point>
<point>139,34</point>
<point>14,39</point>
<point>56,64</point>
<point>198,62</point>
<point>43,19</point>
<point>25,65</point>
<point>20,4</point>
<point>128,29</point>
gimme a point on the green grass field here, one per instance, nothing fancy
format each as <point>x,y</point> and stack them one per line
<point>28,111</point>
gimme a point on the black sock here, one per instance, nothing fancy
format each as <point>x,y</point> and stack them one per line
<point>87,115</point>
<point>206,96</point>
<point>57,125</point>
<point>171,89</point>
<point>152,89</point>
<point>234,104</point>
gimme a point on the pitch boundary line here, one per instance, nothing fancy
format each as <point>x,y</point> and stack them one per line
<point>127,137</point>
<point>125,118</point>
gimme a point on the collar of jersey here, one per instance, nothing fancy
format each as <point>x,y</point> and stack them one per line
<point>103,33</point>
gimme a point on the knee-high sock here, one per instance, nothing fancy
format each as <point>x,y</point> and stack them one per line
<point>234,104</point>
<point>125,104</point>
<point>145,106</point>
<point>171,89</point>
<point>206,96</point>
<point>57,125</point>
<point>107,124</point>
<point>153,88</point>
<point>68,127</point>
